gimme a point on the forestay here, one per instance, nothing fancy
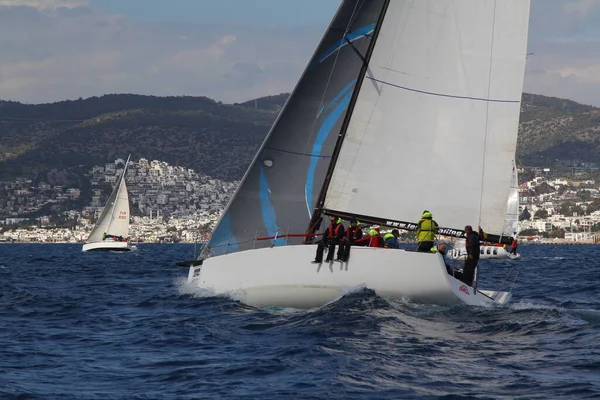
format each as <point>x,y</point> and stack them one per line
<point>435,122</point>
<point>279,190</point>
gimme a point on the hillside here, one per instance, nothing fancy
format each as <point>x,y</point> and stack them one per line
<point>194,132</point>
<point>221,139</point>
<point>553,128</point>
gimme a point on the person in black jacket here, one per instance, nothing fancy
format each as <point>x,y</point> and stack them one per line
<point>472,246</point>
<point>333,235</point>
<point>353,234</point>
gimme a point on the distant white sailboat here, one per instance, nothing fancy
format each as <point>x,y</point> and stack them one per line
<point>112,228</point>
<point>396,92</point>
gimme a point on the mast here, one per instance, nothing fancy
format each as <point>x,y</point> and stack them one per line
<point>315,221</point>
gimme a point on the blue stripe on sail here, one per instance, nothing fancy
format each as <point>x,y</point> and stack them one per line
<point>350,37</point>
<point>342,100</point>
<point>223,236</point>
<point>339,96</point>
<point>267,210</point>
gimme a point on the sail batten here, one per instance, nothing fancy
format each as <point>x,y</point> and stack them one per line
<point>437,129</point>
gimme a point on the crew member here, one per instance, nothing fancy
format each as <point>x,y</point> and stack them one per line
<point>427,228</point>
<point>390,240</point>
<point>333,235</point>
<point>352,237</point>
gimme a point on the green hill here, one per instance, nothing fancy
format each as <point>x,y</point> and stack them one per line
<point>220,139</point>
<point>195,132</point>
<point>553,128</point>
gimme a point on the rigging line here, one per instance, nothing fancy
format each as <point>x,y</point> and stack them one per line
<point>333,68</point>
<point>335,60</point>
<point>487,100</point>
<point>487,112</point>
<point>296,152</point>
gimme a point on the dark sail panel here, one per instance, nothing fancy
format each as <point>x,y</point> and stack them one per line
<point>279,190</point>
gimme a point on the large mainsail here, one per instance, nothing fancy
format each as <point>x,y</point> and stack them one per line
<point>114,219</point>
<point>279,190</point>
<point>436,129</point>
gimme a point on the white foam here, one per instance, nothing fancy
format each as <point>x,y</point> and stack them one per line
<point>186,287</point>
<point>352,289</point>
<point>531,306</point>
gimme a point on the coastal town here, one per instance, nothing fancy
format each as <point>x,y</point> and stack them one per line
<point>168,204</point>
<point>176,204</point>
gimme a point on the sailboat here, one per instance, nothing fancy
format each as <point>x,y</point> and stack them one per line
<point>398,97</point>
<point>112,228</point>
<point>511,223</point>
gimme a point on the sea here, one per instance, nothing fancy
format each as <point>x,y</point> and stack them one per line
<point>79,325</point>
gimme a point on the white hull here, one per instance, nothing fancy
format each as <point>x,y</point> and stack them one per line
<point>285,277</point>
<point>108,246</point>
<point>486,252</point>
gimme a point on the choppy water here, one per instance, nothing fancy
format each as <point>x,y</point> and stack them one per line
<point>125,326</point>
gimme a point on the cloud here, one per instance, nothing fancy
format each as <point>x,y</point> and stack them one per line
<point>52,50</point>
<point>50,54</point>
<point>581,9</point>
<point>565,39</point>
<point>45,4</point>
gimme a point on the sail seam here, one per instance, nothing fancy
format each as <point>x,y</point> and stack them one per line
<point>443,94</point>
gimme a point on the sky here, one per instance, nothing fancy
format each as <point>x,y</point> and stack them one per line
<point>233,50</point>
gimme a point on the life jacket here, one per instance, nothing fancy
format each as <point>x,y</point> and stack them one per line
<point>351,233</point>
<point>376,241</point>
<point>334,232</point>
<point>426,230</point>
<point>375,238</point>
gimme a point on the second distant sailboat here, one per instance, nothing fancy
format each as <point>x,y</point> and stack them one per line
<point>112,228</point>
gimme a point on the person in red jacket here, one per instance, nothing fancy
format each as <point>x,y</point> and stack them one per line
<point>376,238</point>
<point>373,238</point>
<point>333,235</point>
<point>353,235</point>
<point>513,247</point>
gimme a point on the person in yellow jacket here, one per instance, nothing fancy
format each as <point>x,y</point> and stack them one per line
<point>427,228</point>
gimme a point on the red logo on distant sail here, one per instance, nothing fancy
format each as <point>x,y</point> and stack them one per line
<point>464,289</point>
